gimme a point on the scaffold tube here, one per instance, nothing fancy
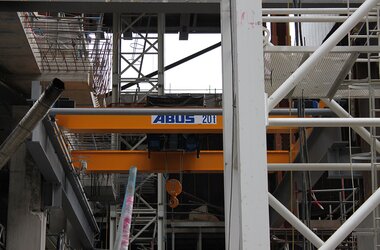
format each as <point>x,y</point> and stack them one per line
<point>349,225</point>
<point>294,221</point>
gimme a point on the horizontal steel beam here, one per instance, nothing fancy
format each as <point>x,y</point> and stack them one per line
<point>174,111</point>
<point>159,162</point>
<point>209,161</point>
<point>324,122</point>
<point>312,19</point>
<point>191,123</point>
<point>135,111</point>
<point>199,124</point>
<point>319,167</point>
<point>163,6</point>
<point>288,11</point>
<point>139,124</point>
<point>311,49</point>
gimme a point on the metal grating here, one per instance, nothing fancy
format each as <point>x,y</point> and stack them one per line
<point>278,67</point>
<point>320,80</point>
<point>358,90</point>
<point>316,84</point>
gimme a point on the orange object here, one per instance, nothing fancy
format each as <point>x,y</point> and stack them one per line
<point>160,162</point>
<point>143,124</point>
<point>173,202</point>
<point>173,187</point>
<point>131,124</point>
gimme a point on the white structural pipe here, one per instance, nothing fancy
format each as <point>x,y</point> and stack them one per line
<point>319,167</point>
<point>323,50</point>
<point>289,11</point>
<point>312,19</point>
<point>294,221</point>
<point>136,111</point>
<point>361,131</point>
<point>344,230</point>
<point>324,122</point>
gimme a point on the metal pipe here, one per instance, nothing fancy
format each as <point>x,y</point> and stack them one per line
<point>323,50</point>
<point>319,167</point>
<point>344,230</point>
<point>308,111</point>
<point>123,230</point>
<point>324,122</point>
<point>339,111</point>
<point>294,221</point>
<point>35,114</point>
<point>312,19</point>
<point>170,111</point>
<point>136,111</point>
<point>288,11</point>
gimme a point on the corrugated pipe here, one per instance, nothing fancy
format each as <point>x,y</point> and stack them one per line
<point>35,114</point>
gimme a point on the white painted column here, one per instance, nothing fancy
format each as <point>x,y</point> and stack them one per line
<point>246,187</point>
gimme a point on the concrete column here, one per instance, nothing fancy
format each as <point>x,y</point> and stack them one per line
<point>26,228</point>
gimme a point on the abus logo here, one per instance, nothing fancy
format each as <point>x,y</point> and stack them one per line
<point>173,119</point>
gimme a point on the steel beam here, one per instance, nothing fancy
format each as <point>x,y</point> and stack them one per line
<point>133,124</point>
<point>324,122</point>
<point>320,167</point>
<point>161,53</point>
<point>323,50</point>
<point>116,36</point>
<point>163,6</point>
<point>145,124</point>
<point>174,111</point>
<point>312,19</point>
<point>135,111</point>
<point>209,161</point>
<point>160,162</point>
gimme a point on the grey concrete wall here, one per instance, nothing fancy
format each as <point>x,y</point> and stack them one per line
<point>26,227</point>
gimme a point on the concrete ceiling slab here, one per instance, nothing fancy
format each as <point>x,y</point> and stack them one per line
<point>16,56</point>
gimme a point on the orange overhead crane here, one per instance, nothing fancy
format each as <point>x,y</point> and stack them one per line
<point>144,124</point>
<point>122,160</point>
